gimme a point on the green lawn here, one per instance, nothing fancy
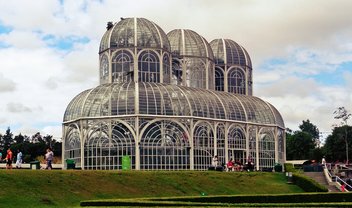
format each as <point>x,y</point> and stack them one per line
<point>66,188</point>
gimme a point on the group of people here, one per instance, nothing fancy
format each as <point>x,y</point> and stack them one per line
<point>9,159</point>
<point>231,165</point>
<point>234,165</point>
<point>49,156</point>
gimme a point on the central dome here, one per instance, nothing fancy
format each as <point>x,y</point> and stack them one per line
<point>134,32</point>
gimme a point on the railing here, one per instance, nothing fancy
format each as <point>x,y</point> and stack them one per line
<point>337,179</point>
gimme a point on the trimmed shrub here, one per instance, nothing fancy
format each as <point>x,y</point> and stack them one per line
<point>308,184</point>
<point>289,167</point>
<point>281,200</point>
<point>304,182</point>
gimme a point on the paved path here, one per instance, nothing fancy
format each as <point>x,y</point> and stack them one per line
<point>320,178</point>
<point>27,166</point>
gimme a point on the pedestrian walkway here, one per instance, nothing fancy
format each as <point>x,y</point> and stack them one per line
<point>320,178</point>
<point>27,166</point>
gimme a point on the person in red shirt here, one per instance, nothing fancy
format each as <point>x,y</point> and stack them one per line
<point>230,165</point>
<point>9,157</point>
<point>343,188</point>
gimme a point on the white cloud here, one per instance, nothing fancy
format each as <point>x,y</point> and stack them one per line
<point>310,37</point>
<point>6,85</point>
<point>22,39</point>
<point>17,108</point>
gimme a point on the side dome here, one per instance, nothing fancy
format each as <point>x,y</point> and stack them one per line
<point>189,43</point>
<point>228,52</point>
<point>192,59</point>
<point>134,32</point>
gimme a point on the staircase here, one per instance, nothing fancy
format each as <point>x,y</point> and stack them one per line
<point>320,178</point>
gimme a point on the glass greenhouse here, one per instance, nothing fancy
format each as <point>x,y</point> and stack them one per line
<point>170,102</point>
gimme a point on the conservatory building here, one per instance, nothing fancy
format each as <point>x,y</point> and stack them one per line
<point>170,102</point>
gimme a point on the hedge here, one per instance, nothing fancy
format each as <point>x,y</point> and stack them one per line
<point>289,167</point>
<point>304,182</point>
<point>306,199</point>
<point>308,184</point>
<point>269,198</point>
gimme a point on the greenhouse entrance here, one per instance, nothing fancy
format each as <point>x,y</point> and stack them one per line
<point>238,156</point>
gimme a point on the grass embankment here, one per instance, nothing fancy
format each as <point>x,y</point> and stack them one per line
<point>66,188</point>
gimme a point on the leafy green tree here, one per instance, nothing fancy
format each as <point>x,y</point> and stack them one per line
<point>8,140</point>
<point>1,141</point>
<point>19,139</point>
<point>37,137</point>
<point>299,146</point>
<point>344,115</point>
<point>311,129</point>
<point>35,146</point>
<point>335,144</point>
<point>48,139</point>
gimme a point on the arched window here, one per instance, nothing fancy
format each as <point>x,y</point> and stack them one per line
<point>122,67</point>
<point>236,81</point>
<point>148,67</point>
<point>166,69</point>
<point>176,72</point>
<point>219,79</point>
<point>164,146</point>
<point>203,142</point>
<point>237,144</point>
<point>104,153</point>
<point>266,148</point>
<point>195,73</point>
<point>220,142</point>
<point>104,69</point>
<point>73,145</point>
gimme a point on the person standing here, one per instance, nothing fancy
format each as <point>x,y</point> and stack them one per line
<point>0,155</point>
<point>9,157</point>
<point>215,161</point>
<point>343,187</point>
<point>323,161</point>
<point>49,156</point>
<point>230,165</point>
<point>19,159</point>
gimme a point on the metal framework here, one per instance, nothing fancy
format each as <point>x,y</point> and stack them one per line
<point>165,103</point>
<point>233,67</point>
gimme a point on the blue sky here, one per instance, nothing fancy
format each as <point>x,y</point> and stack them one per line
<point>301,52</point>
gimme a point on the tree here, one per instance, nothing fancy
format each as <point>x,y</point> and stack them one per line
<point>19,139</point>
<point>299,145</point>
<point>37,137</point>
<point>344,115</point>
<point>335,144</point>
<point>311,129</point>
<point>7,138</point>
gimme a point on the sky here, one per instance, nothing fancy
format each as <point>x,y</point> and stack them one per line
<point>301,52</point>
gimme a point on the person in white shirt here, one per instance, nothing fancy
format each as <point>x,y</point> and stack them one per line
<point>19,159</point>
<point>215,162</point>
<point>49,156</point>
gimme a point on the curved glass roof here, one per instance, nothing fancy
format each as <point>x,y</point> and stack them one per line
<point>134,32</point>
<point>227,51</point>
<point>118,99</point>
<point>189,43</point>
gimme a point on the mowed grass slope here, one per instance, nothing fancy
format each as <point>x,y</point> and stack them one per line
<point>66,188</point>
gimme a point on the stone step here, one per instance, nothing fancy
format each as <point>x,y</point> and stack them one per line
<point>319,177</point>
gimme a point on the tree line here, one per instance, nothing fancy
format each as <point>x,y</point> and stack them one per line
<point>30,146</point>
<point>305,143</point>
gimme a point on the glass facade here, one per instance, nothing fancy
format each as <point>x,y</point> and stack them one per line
<point>169,103</point>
